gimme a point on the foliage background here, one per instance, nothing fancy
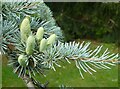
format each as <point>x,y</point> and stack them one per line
<point>78,20</point>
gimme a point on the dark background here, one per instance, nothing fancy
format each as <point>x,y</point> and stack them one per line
<point>88,20</point>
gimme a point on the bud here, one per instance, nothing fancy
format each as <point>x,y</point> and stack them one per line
<point>51,39</point>
<point>43,45</point>
<point>30,44</point>
<point>22,60</point>
<point>40,33</point>
<point>32,63</point>
<point>25,28</point>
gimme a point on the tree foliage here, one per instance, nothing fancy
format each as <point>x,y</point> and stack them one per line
<point>88,20</point>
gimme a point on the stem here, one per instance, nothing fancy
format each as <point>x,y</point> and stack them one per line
<point>28,82</point>
<point>31,83</point>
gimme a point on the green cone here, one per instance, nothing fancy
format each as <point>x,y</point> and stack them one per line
<point>22,60</point>
<point>40,33</point>
<point>25,28</point>
<point>51,39</point>
<point>43,45</point>
<point>30,44</point>
<point>23,37</point>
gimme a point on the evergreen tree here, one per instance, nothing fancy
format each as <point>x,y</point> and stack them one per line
<point>38,43</point>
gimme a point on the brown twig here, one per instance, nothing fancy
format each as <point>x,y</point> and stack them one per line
<point>28,82</point>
